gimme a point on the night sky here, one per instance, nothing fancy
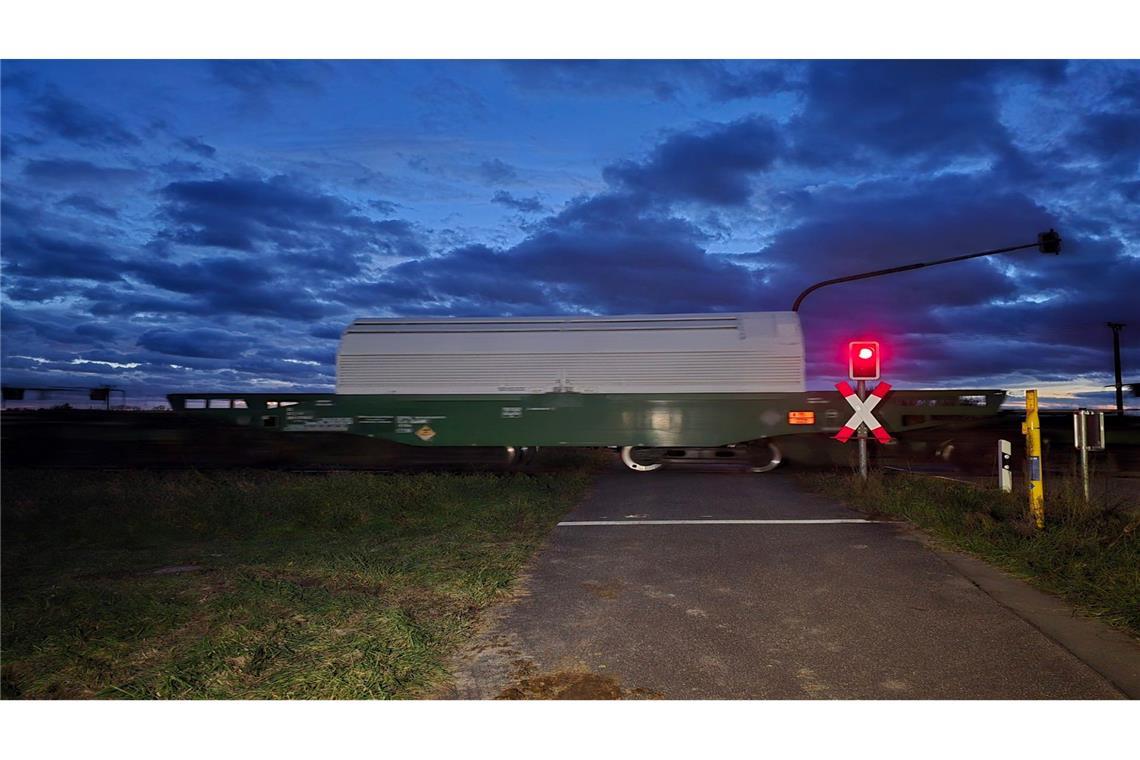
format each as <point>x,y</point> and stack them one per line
<point>193,225</point>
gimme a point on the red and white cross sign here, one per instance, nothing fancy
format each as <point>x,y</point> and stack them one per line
<point>863,412</point>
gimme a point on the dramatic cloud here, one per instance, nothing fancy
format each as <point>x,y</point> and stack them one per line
<point>250,214</point>
<point>258,78</point>
<point>664,80</point>
<point>136,251</point>
<point>530,205</point>
<point>236,212</point>
<point>444,101</point>
<point>74,121</point>
<point>498,171</point>
<point>89,205</point>
<point>29,254</point>
<point>861,111</point>
<point>203,342</point>
<point>71,172</point>
<point>604,254</point>
<point>713,166</point>
<point>196,146</point>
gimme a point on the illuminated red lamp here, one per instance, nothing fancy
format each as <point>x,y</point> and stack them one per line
<point>863,360</point>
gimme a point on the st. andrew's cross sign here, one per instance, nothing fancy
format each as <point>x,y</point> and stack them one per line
<point>862,415</point>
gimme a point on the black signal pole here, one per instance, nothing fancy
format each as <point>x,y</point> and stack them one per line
<point>1116,326</point>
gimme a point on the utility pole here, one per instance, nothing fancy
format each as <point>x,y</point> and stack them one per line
<point>1116,327</point>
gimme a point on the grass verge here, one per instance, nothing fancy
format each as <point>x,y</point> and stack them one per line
<point>254,584</point>
<point>1087,553</point>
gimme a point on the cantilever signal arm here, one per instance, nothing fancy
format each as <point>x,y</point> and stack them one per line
<point>1047,242</point>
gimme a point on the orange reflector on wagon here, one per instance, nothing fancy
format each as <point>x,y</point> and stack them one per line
<point>801,418</point>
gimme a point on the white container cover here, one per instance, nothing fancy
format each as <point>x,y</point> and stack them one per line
<point>754,352</point>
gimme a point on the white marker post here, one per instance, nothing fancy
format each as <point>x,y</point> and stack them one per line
<point>1005,471</point>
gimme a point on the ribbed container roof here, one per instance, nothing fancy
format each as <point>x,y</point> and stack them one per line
<point>675,353</point>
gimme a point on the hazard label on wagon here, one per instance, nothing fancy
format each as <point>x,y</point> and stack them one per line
<point>425,433</point>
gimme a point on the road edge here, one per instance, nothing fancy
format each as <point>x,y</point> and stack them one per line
<point>1111,653</point>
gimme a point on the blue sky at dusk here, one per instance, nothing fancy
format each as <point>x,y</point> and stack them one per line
<point>207,225</point>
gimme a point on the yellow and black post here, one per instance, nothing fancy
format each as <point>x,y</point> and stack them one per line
<point>1032,430</point>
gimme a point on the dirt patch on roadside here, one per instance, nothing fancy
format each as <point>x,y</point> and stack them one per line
<point>607,590</point>
<point>568,684</point>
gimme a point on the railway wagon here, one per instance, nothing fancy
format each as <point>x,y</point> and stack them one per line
<point>654,387</point>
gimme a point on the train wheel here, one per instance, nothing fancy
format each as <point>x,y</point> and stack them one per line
<point>769,450</point>
<point>640,459</point>
<point>511,456</point>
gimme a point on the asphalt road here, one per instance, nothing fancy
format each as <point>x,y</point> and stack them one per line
<point>772,611</point>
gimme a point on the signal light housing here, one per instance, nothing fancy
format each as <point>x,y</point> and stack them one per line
<point>1049,242</point>
<point>863,360</point>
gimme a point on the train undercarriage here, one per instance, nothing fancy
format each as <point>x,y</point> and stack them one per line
<point>648,432</point>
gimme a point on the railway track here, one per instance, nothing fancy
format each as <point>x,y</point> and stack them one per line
<point>157,440</point>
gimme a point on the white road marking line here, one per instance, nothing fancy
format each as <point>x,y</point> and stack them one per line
<point>575,523</point>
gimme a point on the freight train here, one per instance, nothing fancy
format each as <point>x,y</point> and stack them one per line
<point>655,388</point>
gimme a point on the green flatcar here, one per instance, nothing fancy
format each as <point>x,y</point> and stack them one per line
<point>654,387</point>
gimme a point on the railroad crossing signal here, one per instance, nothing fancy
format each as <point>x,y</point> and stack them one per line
<point>863,360</point>
<point>862,415</point>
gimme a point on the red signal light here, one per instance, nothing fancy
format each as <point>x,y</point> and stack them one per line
<point>863,360</point>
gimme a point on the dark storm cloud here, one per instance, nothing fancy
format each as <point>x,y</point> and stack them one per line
<point>990,317</point>
<point>72,120</point>
<point>226,286</point>
<point>240,273</point>
<point>956,362</point>
<point>883,224</point>
<point>858,110</point>
<point>664,80</point>
<point>181,169</point>
<point>467,280</point>
<point>256,78</point>
<point>331,331</point>
<point>248,214</point>
<point>497,171</point>
<point>127,303</point>
<point>77,171</point>
<point>387,208</point>
<point>1130,191</point>
<point>97,332</point>
<point>606,253</point>
<point>712,166</point>
<point>1081,290</point>
<point>444,101</point>
<point>31,254</point>
<point>195,145</point>
<point>18,81</point>
<point>530,205</point>
<point>233,208</point>
<point>1113,138</point>
<point>49,327</point>
<point>89,205</point>
<point>33,289</point>
<point>9,146</point>
<point>202,342</point>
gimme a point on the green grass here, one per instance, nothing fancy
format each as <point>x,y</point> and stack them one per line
<point>346,585</point>
<point>1089,554</point>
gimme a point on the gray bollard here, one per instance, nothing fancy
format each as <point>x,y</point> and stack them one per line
<point>1088,435</point>
<point>1005,473</point>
